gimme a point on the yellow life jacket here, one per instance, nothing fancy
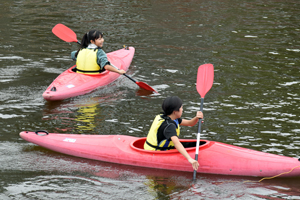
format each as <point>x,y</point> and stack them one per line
<point>87,62</point>
<point>152,143</point>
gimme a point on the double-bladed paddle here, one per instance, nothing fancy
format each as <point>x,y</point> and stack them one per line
<point>205,79</point>
<point>68,35</point>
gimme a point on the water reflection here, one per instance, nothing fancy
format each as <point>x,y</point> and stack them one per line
<point>86,117</point>
<point>143,93</point>
<point>162,187</point>
<point>80,115</point>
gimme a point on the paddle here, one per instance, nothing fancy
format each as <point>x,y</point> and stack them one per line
<point>66,34</point>
<point>205,79</point>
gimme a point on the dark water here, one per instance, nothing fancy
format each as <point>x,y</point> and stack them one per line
<point>254,102</point>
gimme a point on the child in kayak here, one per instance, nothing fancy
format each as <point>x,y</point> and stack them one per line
<point>90,58</point>
<point>165,129</point>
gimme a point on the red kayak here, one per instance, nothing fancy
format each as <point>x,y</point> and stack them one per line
<point>71,84</point>
<point>214,157</point>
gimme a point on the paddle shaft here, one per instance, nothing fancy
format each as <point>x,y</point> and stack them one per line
<point>124,74</point>
<point>199,129</point>
<point>198,137</point>
<point>129,77</point>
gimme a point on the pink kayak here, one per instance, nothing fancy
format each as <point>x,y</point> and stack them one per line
<point>71,84</point>
<point>214,157</point>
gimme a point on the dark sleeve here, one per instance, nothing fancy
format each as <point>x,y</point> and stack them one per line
<point>179,120</point>
<point>170,131</point>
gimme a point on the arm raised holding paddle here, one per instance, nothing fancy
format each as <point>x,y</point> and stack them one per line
<point>194,121</point>
<point>165,130</point>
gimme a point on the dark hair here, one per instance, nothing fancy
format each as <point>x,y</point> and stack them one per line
<point>91,35</point>
<point>171,104</point>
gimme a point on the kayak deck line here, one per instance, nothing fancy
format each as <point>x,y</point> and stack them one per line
<point>214,157</point>
<point>278,175</point>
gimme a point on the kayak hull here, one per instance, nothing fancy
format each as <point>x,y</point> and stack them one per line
<point>70,84</point>
<point>214,157</point>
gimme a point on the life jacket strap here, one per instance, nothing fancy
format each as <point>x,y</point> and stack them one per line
<point>159,148</point>
<point>85,71</point>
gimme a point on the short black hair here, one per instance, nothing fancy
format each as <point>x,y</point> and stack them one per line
<point>171,104</point>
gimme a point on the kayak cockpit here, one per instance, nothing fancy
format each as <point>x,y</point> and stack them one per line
<point>138,145</point>
<point>73,70</point>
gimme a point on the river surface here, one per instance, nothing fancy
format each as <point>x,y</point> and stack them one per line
<point>254,102</point>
